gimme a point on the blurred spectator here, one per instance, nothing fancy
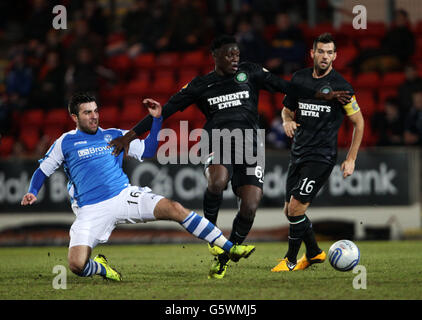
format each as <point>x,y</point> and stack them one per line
<point>95,17</point>
<point>82,37</point>
<point>34,54</point>
<point>39,21</point>
<point>267,8</point>
<point>288,48</point>
<point>42,147</point>
<point>49,90</point>
<point>413,125</point>
<point>224,24</point>
<point>85,74</point>
<point>252,45</point>
<point>412,84</point>
<point>245,11</point>
<point>82,75</point>
<point>144,24</point>
<point>388,125</point>
<point>53,42</point>
<point>19,81</point>
<point>5,115</point>
<point>134,24</point>
<point>185,28</point>
<point>50,64</point>
<point>21,152</point>
<point>400,40</point>
<point>325,10</point>
<point>276,137</point>
<point>397,46</point>
<point>156,26</point>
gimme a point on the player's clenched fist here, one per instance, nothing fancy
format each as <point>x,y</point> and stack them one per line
<point>290,128</point>
<point>29,198</point>
<point>348,166</point>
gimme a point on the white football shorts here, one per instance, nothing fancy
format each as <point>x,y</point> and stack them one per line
<point>94,223</point>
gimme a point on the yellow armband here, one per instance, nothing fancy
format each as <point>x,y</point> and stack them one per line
<point>352,107</point>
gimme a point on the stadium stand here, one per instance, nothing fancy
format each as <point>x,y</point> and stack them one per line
<point>158,72</point>
<point>6,146</point>
<point>109,116</point>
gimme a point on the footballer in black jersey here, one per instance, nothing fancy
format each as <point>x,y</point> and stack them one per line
<point>313,124</point>
<point>228,97</point>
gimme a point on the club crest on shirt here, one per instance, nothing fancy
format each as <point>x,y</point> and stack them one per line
<point>241,77</point>
<point>326,89</point>
<point>108,138</point>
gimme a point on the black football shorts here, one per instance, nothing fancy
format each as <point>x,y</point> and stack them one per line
<point>241,174</point>
<point>304,180</point>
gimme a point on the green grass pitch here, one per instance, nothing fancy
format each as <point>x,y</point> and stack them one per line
<point>179,272</point>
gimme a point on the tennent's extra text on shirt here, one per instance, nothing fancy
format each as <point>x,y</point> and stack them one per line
<point>316,137</point>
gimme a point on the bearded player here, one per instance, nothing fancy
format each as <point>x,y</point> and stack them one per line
<point>313,124</point>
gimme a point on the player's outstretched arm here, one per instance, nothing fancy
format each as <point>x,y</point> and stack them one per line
<point>151,142</point>
<point>37,181</point>
<point>292,88</point>
<point>122,143</point>
<point>341,96</point>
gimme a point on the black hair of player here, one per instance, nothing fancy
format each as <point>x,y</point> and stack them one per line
<point>77,99</point>
<point>221,41</point>
<point>325,38</point>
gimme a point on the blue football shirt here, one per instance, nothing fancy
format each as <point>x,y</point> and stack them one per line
<point>94,173</point>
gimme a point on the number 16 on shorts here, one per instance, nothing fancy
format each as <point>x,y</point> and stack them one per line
<point>306,187</point>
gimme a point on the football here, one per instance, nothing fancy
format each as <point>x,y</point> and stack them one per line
<point>343,255</point>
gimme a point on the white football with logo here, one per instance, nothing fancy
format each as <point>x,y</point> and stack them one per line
<point>344,255</point>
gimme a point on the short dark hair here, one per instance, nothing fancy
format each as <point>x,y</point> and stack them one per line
<point>221,41</point>
<point>77,99</point>
<point>325,38</point>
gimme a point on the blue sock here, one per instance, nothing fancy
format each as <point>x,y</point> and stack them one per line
<point>203,229</point>
<point>92,267</point>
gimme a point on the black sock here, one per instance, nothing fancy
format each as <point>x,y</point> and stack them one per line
<point>312,248</point>
<point>223,258</point>
<point>240,229</point>
<point>211,205</point>
<point>297,228</point>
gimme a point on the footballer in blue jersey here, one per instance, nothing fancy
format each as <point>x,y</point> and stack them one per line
<point>101,195</point>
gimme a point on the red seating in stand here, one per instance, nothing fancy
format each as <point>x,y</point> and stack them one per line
<point>57,117</point>
<point>6,146</point>
<point>109,117</point>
